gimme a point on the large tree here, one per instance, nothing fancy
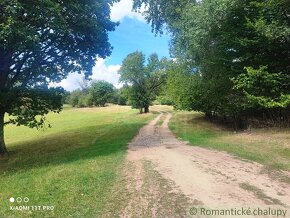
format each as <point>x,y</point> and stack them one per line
<point>42,42</point>
<point>230,45</point>
<point>144,80</point>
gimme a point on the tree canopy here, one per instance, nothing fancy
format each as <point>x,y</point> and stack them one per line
<point>41,42</point>
<point>143,80</point>
<point>101,92</point>
<point>235,54</point>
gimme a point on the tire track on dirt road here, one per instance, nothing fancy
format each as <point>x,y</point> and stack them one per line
<point>164,177</point>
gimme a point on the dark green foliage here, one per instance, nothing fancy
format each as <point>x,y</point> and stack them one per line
<point>120,96</point>
<point>222,46</point>
<point>143,82</point>
<point>266,95</point>
<point>44,100</point>
<point>42,42</point>
<point>263,89</point>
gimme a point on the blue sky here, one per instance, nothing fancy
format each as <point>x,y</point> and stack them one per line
<point>132,34</point>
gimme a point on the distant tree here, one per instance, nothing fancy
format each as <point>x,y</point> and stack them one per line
<point>119,97</point>
<point>42,42</point>
<point>88,100</point>
<point>179,86</point>
<point>84,84</point>
<point>77,98</point>
<point>123,95</point>
<point>101,92</point>
<point>66,97</point>
<point>144,81</point>
<point>122,99</point>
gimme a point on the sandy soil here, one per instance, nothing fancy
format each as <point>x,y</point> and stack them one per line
<point>165,177</point>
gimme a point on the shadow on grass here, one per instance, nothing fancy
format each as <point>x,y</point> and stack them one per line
<point>67,147</point>
<point>202,121</point>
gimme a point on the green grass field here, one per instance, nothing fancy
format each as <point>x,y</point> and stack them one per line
<point>270,147</point>
<point>71,166</point>
<point>74,166</point>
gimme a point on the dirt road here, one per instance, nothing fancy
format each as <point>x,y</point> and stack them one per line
<point>165,177</point>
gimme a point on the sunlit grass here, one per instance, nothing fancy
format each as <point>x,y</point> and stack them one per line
<point>71,166</point>
<point>270,147</point>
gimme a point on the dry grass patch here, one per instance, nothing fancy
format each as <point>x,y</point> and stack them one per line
<point>270,147</point>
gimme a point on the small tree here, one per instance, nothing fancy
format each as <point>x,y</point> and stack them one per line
<point>119,97</point>
<point>74,97</point>
<point>79,99</point>
<point>101,92</point>
<point>144,81</point>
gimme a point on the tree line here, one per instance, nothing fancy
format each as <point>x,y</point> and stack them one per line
<point>95,93</point>
<point>232,57</point>
<point>142,80</point>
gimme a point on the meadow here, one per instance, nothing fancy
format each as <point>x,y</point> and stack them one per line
<point>71,166</point>
<point>75,166</point>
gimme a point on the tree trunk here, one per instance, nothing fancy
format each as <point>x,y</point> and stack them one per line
<point>146,109</point>
<point>141,110</point>
<point>3,149</point>
<point>208,115</point>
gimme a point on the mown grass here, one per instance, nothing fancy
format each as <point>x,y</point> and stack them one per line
<point>72,166</point>
<point>270,147</point>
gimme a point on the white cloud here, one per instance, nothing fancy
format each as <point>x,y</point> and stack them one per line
<point>71,82</point>
<point>123,9</point>
<point>107,73</point>
<point>100,72</point>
